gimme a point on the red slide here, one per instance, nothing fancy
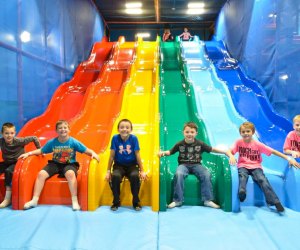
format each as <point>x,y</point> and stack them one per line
<point>99,105</point>
<point>66,103</point>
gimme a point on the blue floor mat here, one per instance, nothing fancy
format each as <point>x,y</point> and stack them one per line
<point>58,227</point>
<point>187,227</point>
<point>206,228</point>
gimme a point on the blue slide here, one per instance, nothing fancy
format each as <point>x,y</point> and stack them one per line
<point>225,98</point>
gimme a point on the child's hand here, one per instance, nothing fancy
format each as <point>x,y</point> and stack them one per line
<point>24,156</point>
<point>232,160</point>
<point>95,156</point>
<point>295,154</point>
<point>294,163</point>
<point>143,175</point>
<point>108,176</point>
<point>161,153</point>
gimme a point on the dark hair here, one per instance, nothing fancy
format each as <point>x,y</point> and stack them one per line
<point>248,125</point>
<point>191,125</point>
<point>125,120</point>
<point>7,125</point>
<point>59,122</point>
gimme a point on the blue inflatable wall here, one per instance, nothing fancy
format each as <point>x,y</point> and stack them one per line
<point>41,43</point>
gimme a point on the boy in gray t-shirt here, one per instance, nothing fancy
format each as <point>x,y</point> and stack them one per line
<point>12,147</point>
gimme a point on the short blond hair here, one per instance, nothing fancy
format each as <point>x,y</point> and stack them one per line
<point>296,118</point>
<point>248,125</point>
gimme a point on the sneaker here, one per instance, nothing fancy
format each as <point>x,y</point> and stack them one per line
<point>242,195</point>
<point>211,204</point>
<point>114,207</point>
<point>174,204</point>
<point>279,207</point>
<point>137,207</point>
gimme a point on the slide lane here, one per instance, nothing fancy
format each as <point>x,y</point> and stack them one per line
<point>251,102</point>
<point>90,127</point>
<point>66,103</point>
<point>177,106</point>
<point>140,105</point>
<point>213,101</point>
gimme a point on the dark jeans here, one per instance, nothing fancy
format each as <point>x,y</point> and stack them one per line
<point>8,169</point>
<point>132,173</point>
<point>259,177</point>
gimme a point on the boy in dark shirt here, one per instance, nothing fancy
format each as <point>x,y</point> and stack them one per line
<point>189,160</point>
<point>12,147</point>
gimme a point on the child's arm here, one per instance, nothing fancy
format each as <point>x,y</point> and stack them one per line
<point>163,153</point>
<point>91,152</point>
<point>110,162</point>
<point>33,139</point>
<point>143,174</point>
<point>232,160</point>
<point>34,152</point>
<point>289,159</point>
<point>294,154</point>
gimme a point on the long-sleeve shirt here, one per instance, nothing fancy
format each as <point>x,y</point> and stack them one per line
<point>11,152</point>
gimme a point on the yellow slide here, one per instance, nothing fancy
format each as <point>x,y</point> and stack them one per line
<point>141,106</point>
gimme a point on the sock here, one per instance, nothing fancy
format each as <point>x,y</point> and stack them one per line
<point>32,203</point>
<point>75,204</point>
<point>7,199</point>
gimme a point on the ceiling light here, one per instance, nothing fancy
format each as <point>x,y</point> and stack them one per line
<point>134,11</point>
<point>195,5</point>
<point>195,11</point>
<point>143,35</point>
<point>25,36</point>
<point>284,77</point>
<point>133,5</point>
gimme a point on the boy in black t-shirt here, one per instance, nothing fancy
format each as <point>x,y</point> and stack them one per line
<point>189,159</point>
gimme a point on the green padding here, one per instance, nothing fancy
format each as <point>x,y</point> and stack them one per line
<point>177,106</point>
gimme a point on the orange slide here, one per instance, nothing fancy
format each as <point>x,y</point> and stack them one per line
<point>66,103</point>
<point>98,109</point>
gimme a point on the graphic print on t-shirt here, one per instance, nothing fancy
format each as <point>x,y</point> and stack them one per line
<point>251,154</point>
<point>63,154</point>
<point>125,150</point>
<point>295,145</point>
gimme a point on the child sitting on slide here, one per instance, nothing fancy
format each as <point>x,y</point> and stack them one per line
<point>64,148</point>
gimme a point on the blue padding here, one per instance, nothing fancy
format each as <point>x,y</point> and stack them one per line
<point>206,228</point>
<point>187,227</point>
<point>58,227</point>
<point>264,36</point>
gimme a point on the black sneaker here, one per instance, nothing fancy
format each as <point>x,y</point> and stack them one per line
<point>114,207</point>
<point>242,195</point>
<point>137,207</point>
<point>279,207</point>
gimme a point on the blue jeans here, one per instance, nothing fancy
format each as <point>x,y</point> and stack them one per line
<point>259,177</point>
<point>203,176</point>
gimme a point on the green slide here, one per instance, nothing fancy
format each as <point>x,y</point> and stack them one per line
<point>177,106</point>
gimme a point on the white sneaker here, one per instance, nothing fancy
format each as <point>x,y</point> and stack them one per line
<point>211,204</point>
<point>174,204</point>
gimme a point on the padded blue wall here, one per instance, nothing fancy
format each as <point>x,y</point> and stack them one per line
<point>62,33</point>
<point>264,35</point>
